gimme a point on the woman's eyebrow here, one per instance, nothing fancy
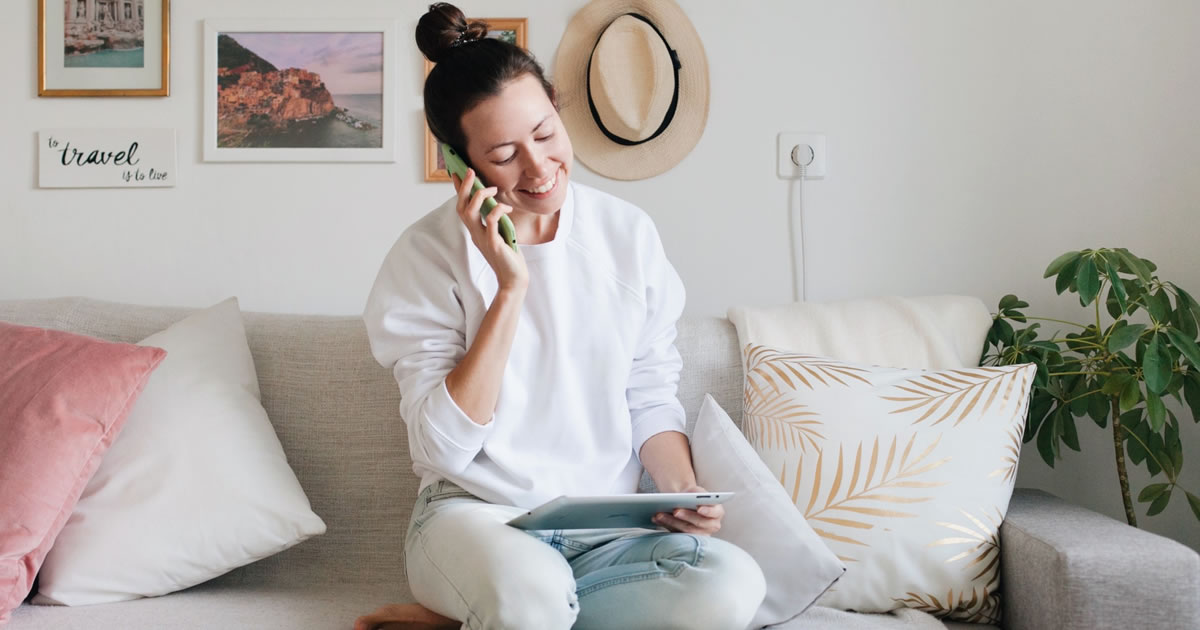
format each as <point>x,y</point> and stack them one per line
<point>508,142</point>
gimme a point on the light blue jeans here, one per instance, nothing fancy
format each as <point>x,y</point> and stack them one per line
<point>464,562</point>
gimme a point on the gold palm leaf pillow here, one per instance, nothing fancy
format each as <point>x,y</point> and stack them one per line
<point>905,474</point>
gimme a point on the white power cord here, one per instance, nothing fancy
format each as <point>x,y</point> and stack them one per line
<point>802,156</point>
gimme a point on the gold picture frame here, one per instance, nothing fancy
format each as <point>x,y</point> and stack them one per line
<point>90,48</point>
<point>510,29</point>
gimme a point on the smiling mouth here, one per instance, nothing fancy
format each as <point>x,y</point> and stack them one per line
<point>544,188</point>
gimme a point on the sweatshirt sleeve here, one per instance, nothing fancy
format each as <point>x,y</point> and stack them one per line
<point>654,380</point>
<point>416,326</point>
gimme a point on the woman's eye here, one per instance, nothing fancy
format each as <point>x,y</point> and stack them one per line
<point>510,158</point>
<point>544,138</point>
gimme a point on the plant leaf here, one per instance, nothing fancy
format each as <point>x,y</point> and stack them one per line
<point>1123,334</point>
<point>1066,276</point>
<point>1159,504</point>
<point>1177,379</point>
<point>1195,503</point>
<point>1130,396</point>
<point>1110,303</point>
<point>1191,393</point>
<point>1152,492</point>
<point>1186,345</point>
<point>1039,406</point>
<point>1135,450</point>
<point>1059,263</point>
<point>1047,439</point>
<point>1087,281</point>
<point>1183,319</point>
<point>1191,303</point>
<point>1079,402</point>
<point>1136,265</point>
<point>1154,441</point>
<point>1156,366</point>
<point>1004,331</point>
<point>1159,306</point>
<point>1070,435</point>
<point>1098,406</point>
<point>1117,287</point>
<point>1156,410</point>
<point>1115,384</point>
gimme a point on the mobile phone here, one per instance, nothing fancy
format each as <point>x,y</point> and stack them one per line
<point>456,165</point>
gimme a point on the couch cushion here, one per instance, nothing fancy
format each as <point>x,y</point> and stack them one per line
<point>932,332</point>
<point>924,532</point>
<point>63,400</point>
<point>761,519</point>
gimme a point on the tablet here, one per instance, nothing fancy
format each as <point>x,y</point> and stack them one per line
<point>612,511</point>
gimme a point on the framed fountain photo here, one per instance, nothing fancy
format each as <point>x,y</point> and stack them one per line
<point>104,47</point>
<point>511,30</point>
<point>283,90</point>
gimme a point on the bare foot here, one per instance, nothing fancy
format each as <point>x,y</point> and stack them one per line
<point>405,617</point>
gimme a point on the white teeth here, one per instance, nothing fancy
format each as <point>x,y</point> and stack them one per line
<point>545,187</point>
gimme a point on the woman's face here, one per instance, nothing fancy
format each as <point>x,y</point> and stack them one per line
<point>517,143</point>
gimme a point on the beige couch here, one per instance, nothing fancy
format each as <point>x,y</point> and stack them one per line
<point>335,411</point>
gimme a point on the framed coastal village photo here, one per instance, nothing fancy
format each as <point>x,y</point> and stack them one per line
<point>511,30</point>
<point>104,47</point>
<point>299,90</point>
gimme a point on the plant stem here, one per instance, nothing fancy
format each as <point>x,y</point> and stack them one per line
<point>1060,321</point>
<point>1122,476</point>
<point>1082,342</point>
<point>1094,391</point>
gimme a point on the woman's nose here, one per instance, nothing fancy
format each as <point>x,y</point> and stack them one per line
<point>536,166</point>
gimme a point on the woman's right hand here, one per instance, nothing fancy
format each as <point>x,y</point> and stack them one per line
<point>509,264</point>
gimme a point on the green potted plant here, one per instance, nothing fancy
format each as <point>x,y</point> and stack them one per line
<point>1116,370</point>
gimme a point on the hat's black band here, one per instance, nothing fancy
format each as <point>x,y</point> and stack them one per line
<point>674,98</point>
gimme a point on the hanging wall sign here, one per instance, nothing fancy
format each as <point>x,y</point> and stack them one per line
<point>106,158</point>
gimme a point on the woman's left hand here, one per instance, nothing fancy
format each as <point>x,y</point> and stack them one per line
<point>705,520</point>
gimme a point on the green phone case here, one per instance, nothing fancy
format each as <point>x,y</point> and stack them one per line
<point>457,166</point>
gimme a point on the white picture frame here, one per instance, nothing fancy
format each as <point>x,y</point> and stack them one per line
<point>248,126</point>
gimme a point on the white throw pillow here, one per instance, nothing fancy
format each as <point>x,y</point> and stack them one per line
<point>195,485</point>
<point>761,519</point>
<point>906,474</point>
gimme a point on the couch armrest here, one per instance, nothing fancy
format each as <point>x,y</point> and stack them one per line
<point>1065,567</point>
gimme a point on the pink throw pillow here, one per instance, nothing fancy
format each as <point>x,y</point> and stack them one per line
<point>63,399</point>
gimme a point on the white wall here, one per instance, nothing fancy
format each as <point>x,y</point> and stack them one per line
<point>970,142</point>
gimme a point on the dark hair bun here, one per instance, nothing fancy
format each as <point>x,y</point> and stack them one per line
<point>443,28</point>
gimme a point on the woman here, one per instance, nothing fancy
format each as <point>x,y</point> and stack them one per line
<point>530,374</point>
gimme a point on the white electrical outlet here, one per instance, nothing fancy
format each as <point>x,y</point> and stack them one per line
<point>810,145</point>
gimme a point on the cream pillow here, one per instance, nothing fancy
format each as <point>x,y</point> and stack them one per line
<point>906,474</point>
<point>195,485</point>
<point>761,519</point>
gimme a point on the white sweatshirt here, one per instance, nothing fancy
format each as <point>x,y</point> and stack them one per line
<point>593,370</point>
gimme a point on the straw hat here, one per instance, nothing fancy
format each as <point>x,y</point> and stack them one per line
<point>632,81</point>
